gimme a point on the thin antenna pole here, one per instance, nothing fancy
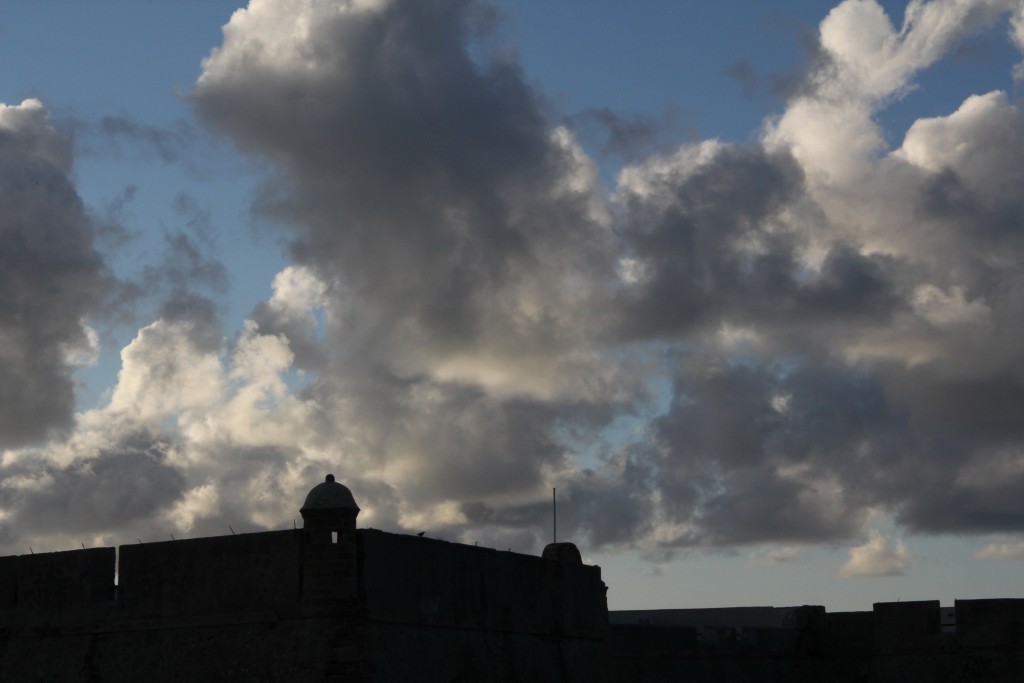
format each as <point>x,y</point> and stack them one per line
<point>554,516</point>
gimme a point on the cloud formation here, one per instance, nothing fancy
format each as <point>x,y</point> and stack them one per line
<point>878,556</point>
<point>51,277</point>
<point>1001,550</point>
<point>737,344</point>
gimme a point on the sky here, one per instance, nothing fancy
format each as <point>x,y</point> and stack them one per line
<point>743,281</point>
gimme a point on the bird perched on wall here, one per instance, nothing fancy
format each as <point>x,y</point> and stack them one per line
<point>420,534</point>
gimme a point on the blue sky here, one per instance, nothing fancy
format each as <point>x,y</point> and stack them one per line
<point>742,284</point>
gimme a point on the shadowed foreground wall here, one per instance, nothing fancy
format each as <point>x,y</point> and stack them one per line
<point>240,608</point>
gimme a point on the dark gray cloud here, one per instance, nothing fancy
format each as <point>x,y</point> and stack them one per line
<point>708,254</point>
<point>630,137</point>
<point>755,453</point>
<point>51,276</point>
<point>610,505</point>
<point>127,484</point>
<point>413,174</point>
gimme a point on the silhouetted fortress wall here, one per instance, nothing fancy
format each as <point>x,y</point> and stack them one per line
<point>253,607</point>
<point>329,602</point>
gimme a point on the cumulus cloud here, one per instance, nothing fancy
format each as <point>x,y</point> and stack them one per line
<point>753,344</point>
<point>1001,550</point>
<point>767,556</point>
<point>482,333</point>
<point>878,556</point>
<point>461,249</point>
<point>192,440</point>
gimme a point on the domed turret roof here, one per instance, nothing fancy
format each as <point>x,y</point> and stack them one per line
<point>563,552</point>
<point>329,495</point>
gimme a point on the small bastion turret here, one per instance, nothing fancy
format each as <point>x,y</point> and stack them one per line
<point>330,571</point>
<point>329,510</point>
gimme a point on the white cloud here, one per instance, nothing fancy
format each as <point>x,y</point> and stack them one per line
<point>198,502</point>
<point>653,179</point>
<point>774,555</point>
<point>163,373</point>
<point>831,130</point>
<point>278,34</point>
<point>982,142</point>
<point>297,293</point>
<point>31,122</point>
<point>877,61</point>
<point>259,359</point>
<point>949,310</point>
<point>878,556</point>
<point>1001,550</point>
<point>84,352</point>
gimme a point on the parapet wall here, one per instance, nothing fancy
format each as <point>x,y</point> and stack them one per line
<point>243,573</point>
<point>54,582</point>
<point>260,571</point>
<point>443,611</point>
<point>223,608</point>
<point>428,582</point>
